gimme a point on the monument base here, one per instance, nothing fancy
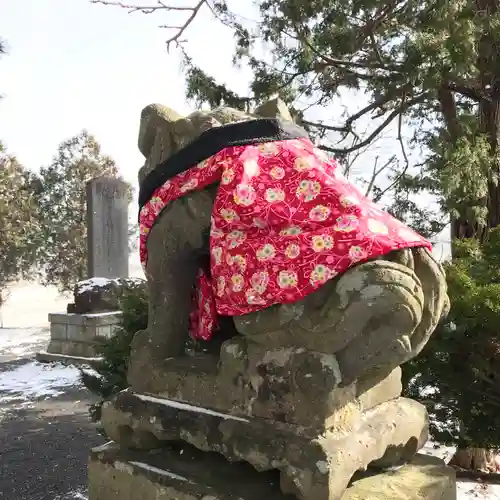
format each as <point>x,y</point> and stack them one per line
<point>45,357</point>
<point>77,334</point>
<point>181,472</point>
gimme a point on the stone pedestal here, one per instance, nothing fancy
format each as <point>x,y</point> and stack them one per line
<point>280,410</point>
<point>303,400</point>
<point>78,334</point>
<point>93,315</point>
<point>183,473</point>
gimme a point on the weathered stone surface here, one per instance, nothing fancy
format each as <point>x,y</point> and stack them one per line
<point>425,478</point>
<point>291,385</point>
<point>311,388</point>
<point>316,467</point>
<point>102,294</point>
<point>79,334</point>
<point>185,474</point>
<point>178,239</point>
<point>274,108</point>
<point>72,348</point>
<point>374,317</point>
<point>108,199</point>
<point>377,315</point>
<point>176,474</point>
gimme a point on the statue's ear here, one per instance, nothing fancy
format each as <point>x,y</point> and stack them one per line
<point>156,136</point>
<point>274,108</point>
<point>154,118</point>
<point>227,115</point>
<point>202,121</point>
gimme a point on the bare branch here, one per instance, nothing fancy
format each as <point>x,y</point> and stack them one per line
<point>347,127</point>
<point>149,9</point>
<point>377,172</point>
<point>400,109</point>
<point>332,128</point>
<point>405,156</point>
<point>184,27</point>
<point>145,9</point>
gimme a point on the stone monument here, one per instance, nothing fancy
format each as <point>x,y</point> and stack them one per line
<point>95,311</point>
<point>293,388</point>
<point>107,223</point>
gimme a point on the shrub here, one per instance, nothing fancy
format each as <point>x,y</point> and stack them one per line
<point>457,375</point>
<point>111,376</point>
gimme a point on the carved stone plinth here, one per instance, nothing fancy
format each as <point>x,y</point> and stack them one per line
<point>187,474</point>
<point>316,448</point>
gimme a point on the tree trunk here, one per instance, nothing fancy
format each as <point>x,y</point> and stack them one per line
<point>488,64</point>
<point>476,459</point>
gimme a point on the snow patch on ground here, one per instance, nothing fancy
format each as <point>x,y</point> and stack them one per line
<point>73,495</point>
<point>468,490</point>
<point>16,343</point>
<point>436,450</point>
<point>35,381</point>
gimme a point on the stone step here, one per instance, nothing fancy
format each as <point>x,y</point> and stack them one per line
<point>318,466</point>
<point>47,357</point>
<point>183,473</point>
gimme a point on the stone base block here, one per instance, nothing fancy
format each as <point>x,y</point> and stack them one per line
<point>77,334</point>
<point>292,385</point>
<point>312,466</point>
<point>183,473</point>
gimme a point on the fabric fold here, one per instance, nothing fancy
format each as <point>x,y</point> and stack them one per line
<point>284,222</point>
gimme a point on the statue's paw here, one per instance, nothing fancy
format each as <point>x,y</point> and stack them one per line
<point>437,303</point>
<point>394,329</point>
<point>382,305</point>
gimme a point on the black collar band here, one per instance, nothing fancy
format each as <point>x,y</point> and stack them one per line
<point>211,142</point>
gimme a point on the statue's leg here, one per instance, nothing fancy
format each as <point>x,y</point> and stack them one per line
<point>331,317</point>
<point>388,345</point>
<point>174,246</point>
<point>377,315</point>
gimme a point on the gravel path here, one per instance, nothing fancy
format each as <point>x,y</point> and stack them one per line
<point>45,433</point>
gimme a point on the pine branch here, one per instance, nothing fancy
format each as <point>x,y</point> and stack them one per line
<point>469,90</point>
<point>376,172</point>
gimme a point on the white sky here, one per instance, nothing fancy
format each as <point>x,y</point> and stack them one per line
<point>74,65</point>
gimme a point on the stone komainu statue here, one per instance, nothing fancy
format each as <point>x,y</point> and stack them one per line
<point>245,223</point>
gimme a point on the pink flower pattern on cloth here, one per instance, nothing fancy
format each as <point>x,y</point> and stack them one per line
<point>284,222</point>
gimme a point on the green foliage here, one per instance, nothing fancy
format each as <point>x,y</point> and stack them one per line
<point>463,171</point>
<point>433,65</point>
<point>462,360</point>
<point>61,197</point>
<point>111,375</point>
<point>420,63</point>
<point>18,221</point>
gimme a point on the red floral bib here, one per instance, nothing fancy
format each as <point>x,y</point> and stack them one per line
<point>284,222</point>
